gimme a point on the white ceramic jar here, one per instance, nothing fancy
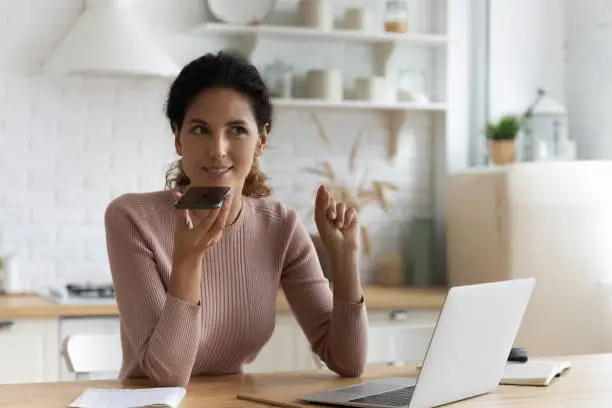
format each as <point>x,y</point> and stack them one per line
<point>325,84</point>
<point>373,89</point>
<point>9,282</point>
<point>358,18</point>
<point>316,14</point>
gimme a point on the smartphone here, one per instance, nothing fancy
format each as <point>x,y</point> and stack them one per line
<point>203,198</point>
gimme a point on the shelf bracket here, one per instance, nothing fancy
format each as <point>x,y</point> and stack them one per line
<point>397,121</point>
<point>245,45</point>
<point>384,53</point>
<point>404,125</point>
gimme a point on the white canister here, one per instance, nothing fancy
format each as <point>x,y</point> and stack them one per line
<point>568,150</point>
<point>541,150</point>
<point>371,89</point>
<point>10,276</point>
<point>325,84</point>
<point>317,14</point>
<point>358,19</point>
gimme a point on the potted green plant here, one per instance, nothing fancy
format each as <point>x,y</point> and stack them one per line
<point>502,139</point>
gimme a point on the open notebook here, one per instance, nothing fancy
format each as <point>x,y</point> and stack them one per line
<point>533,372</point>
<point>163,397</point>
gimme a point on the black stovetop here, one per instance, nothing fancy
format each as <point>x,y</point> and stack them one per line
<point>90,290</point>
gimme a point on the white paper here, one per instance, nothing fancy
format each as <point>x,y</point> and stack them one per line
<point>534,369</point>
<point>130,398</point>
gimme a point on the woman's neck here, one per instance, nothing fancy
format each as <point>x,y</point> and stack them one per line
<point>237,203</point>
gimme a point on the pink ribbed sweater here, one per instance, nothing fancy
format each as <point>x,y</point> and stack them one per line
<point>169,340</point>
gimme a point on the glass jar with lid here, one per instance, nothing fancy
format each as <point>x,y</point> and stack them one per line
<point>396,16</point>
<point>279,78</point>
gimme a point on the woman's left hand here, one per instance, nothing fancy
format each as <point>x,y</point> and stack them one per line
<point>337,224</point>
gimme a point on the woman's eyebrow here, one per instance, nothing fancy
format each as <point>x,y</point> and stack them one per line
<point>237,122</point>
<point>198,120</point>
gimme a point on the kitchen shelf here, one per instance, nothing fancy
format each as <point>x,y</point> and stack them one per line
<point>356,104</point>
<point>284,32</point>
<point>385,44</point>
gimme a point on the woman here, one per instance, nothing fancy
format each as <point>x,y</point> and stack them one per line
<point>196,290</point>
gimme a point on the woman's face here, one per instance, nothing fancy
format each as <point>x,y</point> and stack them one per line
<point>219,139</point>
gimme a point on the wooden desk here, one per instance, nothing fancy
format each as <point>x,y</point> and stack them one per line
<point>586,385</point>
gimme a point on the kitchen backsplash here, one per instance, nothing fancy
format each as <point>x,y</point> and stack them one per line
<point>69,145</point>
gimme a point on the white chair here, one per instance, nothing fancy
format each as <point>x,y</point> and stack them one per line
<point>93,356</point>
<point>395,344</point>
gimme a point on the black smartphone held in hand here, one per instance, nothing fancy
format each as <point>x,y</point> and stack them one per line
<point>203,198</point>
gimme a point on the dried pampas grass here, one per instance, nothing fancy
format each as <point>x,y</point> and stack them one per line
<point>367,192</point>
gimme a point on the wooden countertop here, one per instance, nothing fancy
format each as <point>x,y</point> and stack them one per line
<point>35,306</point>
<point>377,298</point>
<point>382,298</point>
<point>586,385</point>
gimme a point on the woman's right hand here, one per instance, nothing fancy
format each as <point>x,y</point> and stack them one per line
<point>190,242</point>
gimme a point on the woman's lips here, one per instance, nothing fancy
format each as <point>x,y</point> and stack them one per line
<point>218,172</point>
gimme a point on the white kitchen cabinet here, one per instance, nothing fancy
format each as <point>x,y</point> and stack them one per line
<point>404,317</point>
<point>400,335</point>
<point>281,351</point>
<point>289,350</point>
<point>305,359</point>
<point>28,350</point>
<point>85,325</point>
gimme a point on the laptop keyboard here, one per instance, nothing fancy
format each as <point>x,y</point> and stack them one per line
<point>396,398</point>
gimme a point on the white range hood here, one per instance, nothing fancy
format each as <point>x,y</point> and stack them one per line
<point>109,39</point>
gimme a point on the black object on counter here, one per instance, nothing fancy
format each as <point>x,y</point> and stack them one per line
<point>518,355</point>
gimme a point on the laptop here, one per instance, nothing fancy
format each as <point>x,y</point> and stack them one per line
<point>466,356</point>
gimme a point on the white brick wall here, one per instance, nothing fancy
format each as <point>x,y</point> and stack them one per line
<point>588,76</point>
<point>526,52</point>
<point>564,47</point>
<point>70,145</point>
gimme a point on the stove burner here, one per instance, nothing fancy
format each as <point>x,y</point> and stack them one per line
<point>91,291</point>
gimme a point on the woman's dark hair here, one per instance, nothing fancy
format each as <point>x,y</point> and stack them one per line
<point>220,70</point>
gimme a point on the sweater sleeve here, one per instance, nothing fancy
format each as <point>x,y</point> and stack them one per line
<point>163,331</point>
<point>336,329</point>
